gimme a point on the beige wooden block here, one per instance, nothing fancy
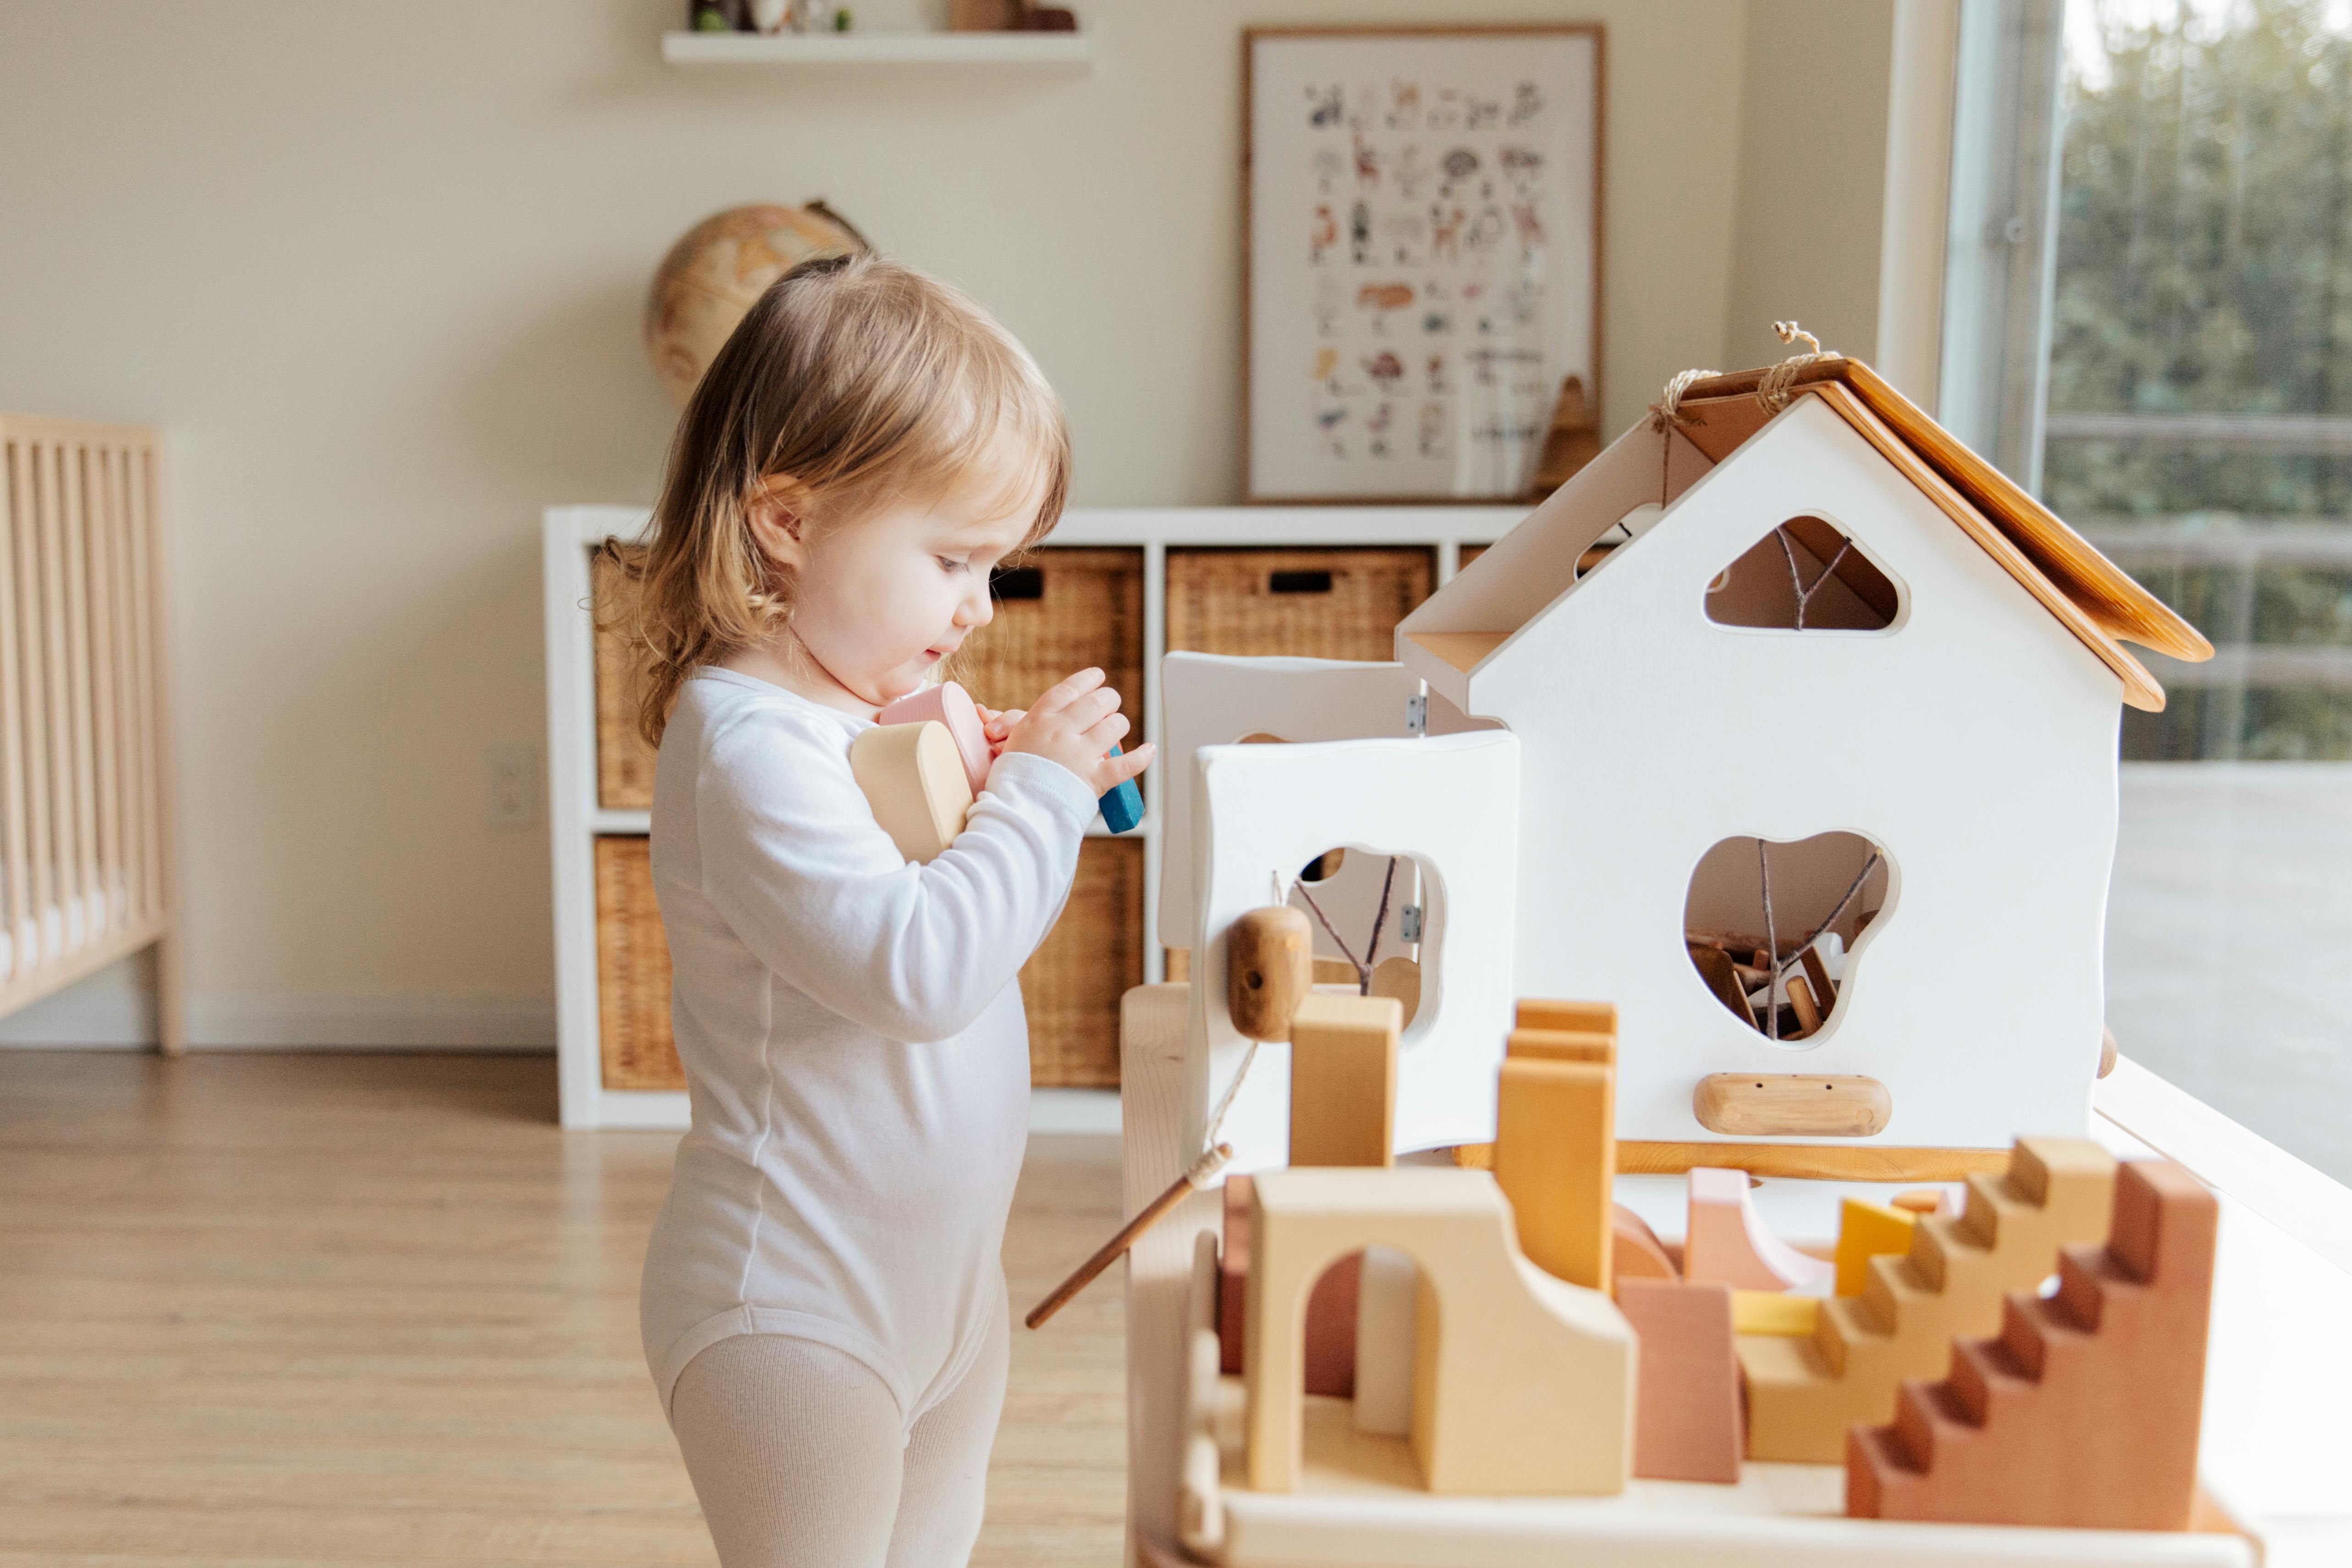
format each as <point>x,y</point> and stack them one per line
<point>1386,1293</point>
<point>913,777</point>
<point>1554,1157</point>
<point>1343,1068</point>
<point>1269,969</point>
<point>1399,977</point>
<point>1522,1384</point>
<point>1580,1017</point>
<point>1802,1394</point>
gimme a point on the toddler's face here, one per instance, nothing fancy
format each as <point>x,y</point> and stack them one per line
<point>882,599</point>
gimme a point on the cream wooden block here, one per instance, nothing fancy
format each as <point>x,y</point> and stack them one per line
<point>1802,1394</point>
<point>913,776</point>
<point>1386,1296</point>
<point>1260,812</point>
<point>1215,700</point>
<point>1555,1159</point>
<point>1522,1383</point>
<point>1343,1061</point>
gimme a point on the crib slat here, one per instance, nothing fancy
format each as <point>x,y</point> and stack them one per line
<point>124,615</point>
<point>154,898</point>
<point>155,612</point>
<point>84,767</point>
<point>43,681</point>
<point>16,516</point>
<point>105,502</point>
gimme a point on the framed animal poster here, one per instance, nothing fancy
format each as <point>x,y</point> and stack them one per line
<point>1425,256</point>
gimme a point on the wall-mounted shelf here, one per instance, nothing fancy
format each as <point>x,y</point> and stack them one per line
<point>1051,51</point>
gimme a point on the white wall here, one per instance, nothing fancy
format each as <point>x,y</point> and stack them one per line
<point>377,270</point>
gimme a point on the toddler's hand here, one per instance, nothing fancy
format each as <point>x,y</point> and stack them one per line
<point>1075,724</point>
<point>998,727</point>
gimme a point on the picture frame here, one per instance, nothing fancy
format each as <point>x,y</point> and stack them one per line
<point>1421,219</point>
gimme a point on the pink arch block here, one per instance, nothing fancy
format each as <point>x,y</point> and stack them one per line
<point>949,704</point>
<point>1727,1244</point>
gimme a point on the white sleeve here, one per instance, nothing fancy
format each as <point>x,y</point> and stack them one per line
<point>793,860</point>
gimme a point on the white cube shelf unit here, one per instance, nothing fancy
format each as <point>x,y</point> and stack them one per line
<point>579,820</point>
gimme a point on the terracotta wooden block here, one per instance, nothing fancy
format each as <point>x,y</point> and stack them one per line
<point>1775,1313</point>
<point>1714,967</point>
<point>1331,1349</point>
<point>1555,1159</point>
<point>946,703</point>
<point>1686,1419</point>
<point>1578,1018</point>
<point>1635,1252</point>
<point>1386,1294</point>
<point>1868,1230</point>
<point>1802,1394</point>
<point>1269,970</point>
<point>1522,1385</point>
<point>1825,989</point>
<point>1343,1074</point>
<point>2084,1411</point>
<point>1728,1243</point>
<point>1791,1105</point>
<point>914,778</point>
<point>1562,1045</point>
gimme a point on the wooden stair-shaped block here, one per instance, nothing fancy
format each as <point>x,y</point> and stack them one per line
<point>2084,1411</point>
<point>1802,1394</point>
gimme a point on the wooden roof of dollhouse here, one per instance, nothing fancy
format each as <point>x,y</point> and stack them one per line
<point>2091,596</point>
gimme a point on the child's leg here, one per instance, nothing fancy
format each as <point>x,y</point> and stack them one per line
<point>946,1488</point>
<point>795,1449</point>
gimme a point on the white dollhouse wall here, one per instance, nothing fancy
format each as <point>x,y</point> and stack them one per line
<point>1259,813</point>
<point>1973,739</point>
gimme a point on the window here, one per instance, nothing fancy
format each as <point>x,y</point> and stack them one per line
<point>2186,295</point>
<point>1804,576</point>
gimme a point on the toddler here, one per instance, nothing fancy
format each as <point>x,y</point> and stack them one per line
<point>823,1305</point>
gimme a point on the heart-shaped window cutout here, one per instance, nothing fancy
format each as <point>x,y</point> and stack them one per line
<point>1772,926</point>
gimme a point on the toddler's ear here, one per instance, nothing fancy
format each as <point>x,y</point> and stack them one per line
<point>778,511</point>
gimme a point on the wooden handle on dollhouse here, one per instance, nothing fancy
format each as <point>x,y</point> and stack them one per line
<point>1203,1171</point>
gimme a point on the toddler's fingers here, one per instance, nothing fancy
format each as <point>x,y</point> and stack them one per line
<point>1111,729</point>
<point>1001,726</point>
<point>1088,710</point>
<point>1116,771</point>
<point>1068,690</point>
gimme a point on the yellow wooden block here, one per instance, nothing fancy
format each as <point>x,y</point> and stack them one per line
<point>1554,1157</point>
<point>1584,1018</point>
<point>1773,1312</point>
<point>1343,1068</point>
<point>1865,1230</point>
<point>1562,1045</point>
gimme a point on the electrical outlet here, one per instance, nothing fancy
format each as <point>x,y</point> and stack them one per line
<point>514,785</point>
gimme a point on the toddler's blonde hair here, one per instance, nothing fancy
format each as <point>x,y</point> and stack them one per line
<point>861,382</point>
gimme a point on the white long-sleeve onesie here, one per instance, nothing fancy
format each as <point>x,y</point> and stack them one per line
<point>854,1046</point>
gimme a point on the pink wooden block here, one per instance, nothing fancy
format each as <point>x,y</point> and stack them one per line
<point>947,703</point>
<point>1727,1244</point>
<point>1686,1424</point>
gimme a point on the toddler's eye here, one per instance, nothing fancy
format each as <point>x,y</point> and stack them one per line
<point>947,566</point>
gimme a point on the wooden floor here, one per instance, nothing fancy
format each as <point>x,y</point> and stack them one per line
<point>301,1310</point>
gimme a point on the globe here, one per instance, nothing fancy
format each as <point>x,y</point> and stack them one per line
<point>709,280</point>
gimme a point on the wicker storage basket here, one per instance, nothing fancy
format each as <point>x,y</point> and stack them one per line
<point>632,970</point>
<point>625,763</point>
<point>1058,611</point>
<point>1071,984</point>
<point>1321,603</point>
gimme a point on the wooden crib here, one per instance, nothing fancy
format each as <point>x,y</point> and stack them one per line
<point>88,872</point>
